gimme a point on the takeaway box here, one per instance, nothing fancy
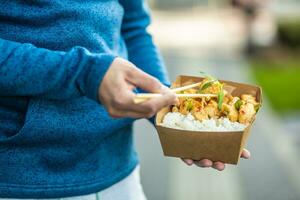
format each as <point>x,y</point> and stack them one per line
<point>216,146</point>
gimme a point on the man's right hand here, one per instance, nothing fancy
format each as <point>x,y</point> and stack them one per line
<point>116,91</point>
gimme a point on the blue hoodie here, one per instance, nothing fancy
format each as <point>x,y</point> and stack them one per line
<point>56,139</point>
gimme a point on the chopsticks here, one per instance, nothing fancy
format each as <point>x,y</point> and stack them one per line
<point>139,98</point>
<point>179,89</point>
<point>142,97</point>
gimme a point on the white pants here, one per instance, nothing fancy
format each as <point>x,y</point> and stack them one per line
<point>129,188</point>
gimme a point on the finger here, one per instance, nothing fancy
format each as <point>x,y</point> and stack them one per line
<point>166,90</point>
<point>204,163</point>
<point>144,81</point>
<point>122,100</point>
<point>188,161</point>
<point>123,105</point>
<point>155,104</point>
<point>246,154</point>
<point>127,114</point>
<point>219,166</point>
<point>150,107</point>
<point>119,113</point>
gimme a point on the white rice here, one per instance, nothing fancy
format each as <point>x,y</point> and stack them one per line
<point>177,120</point>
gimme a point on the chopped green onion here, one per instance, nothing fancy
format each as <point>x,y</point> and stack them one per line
<point>207,85</point>
<point>238,104</point>
<point>220,97</point>
<point>190,105</point>
<point>257,107</point>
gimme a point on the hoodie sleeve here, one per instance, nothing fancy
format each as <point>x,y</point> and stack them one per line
<point>141,49</point>
<point>26,70</point>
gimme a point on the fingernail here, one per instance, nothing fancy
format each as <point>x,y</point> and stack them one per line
<point>246,154</point>
<point>218,166</point>
<point>189,162</point>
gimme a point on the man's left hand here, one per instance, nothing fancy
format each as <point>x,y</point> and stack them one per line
<point>216,165</point>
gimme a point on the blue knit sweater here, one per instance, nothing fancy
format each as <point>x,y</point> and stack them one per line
<point>56,139</point>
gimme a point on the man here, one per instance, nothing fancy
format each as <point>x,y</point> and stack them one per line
<point>66,105</point>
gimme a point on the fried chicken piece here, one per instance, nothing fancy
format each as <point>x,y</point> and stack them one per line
<point>227,98</point>
<point>234,100</point>
<point>184,108</point>
<point>246,113</point>
<point>214,89</point>
<point>189,105</point>
<point>249,99</point>
<point>210,86</point>
<point>197,105</point>
<point>212,109</point>
<point>230,112</point>
<point>201,115</point>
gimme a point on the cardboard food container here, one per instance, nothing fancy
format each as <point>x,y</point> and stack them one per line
<point>216,146</point>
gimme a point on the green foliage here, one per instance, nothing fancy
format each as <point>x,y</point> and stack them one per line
<point>289,32</point>
<point>280,81</point>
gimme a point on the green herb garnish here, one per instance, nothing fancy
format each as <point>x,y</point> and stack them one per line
<point>220,97</point>
<point>257,107</point>
<point>190,105</point>
<point>238,104</point>
<point>207,85</point>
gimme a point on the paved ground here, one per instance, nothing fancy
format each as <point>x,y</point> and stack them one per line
<point>272,172</point>
<point>292,124</point>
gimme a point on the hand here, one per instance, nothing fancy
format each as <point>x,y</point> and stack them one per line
<point>116,91</point>
<point>216,165</point>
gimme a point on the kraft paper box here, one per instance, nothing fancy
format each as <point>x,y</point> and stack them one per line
<point>216,146</point>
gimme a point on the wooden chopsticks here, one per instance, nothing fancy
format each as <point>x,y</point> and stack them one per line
<point>179,89</point>
<point>142,97</point>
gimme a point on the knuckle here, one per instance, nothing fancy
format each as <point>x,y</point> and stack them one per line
<point>153,79</point>
<point>115,116</point>
<point>170,98</point>
<point>130,69</point>
<point>118,103</point>
<point>149,115</point>
<point>112,112</point>
<point>155,82</point>
<point>152,109</point>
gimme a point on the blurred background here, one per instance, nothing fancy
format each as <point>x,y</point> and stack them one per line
<point>241,40</point>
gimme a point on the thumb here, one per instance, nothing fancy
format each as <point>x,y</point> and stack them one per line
<point>245,154</point>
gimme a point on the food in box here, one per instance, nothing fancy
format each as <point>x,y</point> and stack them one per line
<point>215,127</point>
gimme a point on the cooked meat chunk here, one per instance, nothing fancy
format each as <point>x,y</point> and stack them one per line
<point>212,109</point>
<point>231,112</point>
<point>249,99</point>
<point>246,113</point>
<point>201,115</point>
